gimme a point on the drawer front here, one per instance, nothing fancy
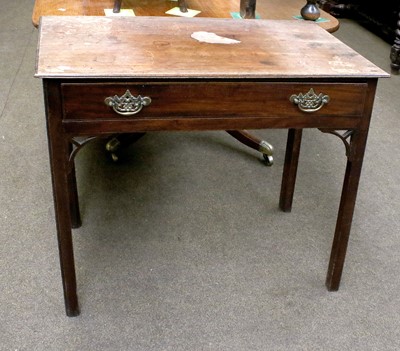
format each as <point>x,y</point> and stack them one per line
<point>92,101</point>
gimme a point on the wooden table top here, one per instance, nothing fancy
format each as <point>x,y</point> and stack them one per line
<point>267,9</point>
<point>164,47</point>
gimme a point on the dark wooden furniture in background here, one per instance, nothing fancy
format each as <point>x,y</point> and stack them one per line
<point>380,17</point>
<point>171,81</point>
<point>395,50</point>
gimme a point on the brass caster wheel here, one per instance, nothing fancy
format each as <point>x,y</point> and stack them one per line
<point>111,147</point>
<point>114,157</point>
<point>269,160</point>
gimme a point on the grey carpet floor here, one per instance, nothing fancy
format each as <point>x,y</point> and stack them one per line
<point>182,245</point>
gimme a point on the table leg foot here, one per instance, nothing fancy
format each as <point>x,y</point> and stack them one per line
<point>255,143</point>
<point>182,6</point>
<point>73,312</point>
<point>117,6</point>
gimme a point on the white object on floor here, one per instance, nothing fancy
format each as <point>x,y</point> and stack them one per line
<point>176,12</point>
<point>123,12</point>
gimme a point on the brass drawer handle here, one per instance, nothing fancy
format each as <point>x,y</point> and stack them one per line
<point>310,102</point>
<point>127,104</point>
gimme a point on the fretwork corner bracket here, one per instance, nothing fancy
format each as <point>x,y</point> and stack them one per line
<point>76,145</point>
<point>344,136</point>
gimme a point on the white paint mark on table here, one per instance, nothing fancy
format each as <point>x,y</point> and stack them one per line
<point>212,38</point>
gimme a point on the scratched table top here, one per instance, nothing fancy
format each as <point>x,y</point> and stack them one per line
<point>146,47</point>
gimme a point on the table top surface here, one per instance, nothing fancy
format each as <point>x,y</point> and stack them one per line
<point>266,9</point>
<point>165,47</point>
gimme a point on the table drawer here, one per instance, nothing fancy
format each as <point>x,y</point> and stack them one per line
<point>86,101</point>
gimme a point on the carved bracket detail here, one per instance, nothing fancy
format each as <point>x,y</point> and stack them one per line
<point>344,136</point>
<point>77,144</point>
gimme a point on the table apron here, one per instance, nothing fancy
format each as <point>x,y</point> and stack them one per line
<point>209,105</point>
<point>82,127</point>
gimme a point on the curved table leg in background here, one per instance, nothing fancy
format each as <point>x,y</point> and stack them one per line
<point>255,143</point>
<point>119,141</point>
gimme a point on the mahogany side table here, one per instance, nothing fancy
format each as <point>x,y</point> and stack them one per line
<point>244,75</point>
